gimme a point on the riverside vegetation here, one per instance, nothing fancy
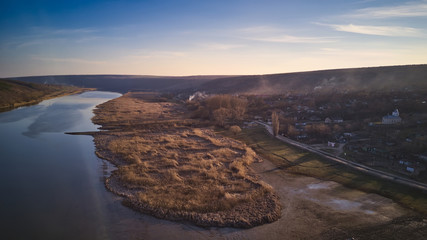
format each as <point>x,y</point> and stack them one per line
<point>15,94</point>
<point>173,167</point>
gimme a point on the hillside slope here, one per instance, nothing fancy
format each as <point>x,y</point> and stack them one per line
<point>375,78</point>
<point>123,83</point>
<point>16,93</point>
<point>372,79</point>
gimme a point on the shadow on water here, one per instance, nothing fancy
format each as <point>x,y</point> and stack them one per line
<point>21,113</point>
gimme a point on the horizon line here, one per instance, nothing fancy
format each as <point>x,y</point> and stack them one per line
<point>209,75</point>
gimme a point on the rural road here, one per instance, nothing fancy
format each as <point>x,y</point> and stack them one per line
<point>357,166</point>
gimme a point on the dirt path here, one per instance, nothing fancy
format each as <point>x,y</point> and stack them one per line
<point>337,151</point>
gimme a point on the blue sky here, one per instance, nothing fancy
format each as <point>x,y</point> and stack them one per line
<point>193,37</point>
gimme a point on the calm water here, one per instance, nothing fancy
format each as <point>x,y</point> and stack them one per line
<point>51,184</point>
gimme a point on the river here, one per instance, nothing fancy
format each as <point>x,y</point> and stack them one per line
<point>52,187</point>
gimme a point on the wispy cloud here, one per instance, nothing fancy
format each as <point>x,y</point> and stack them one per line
<point>39,36</point>
<point>221,46</point>
<point>394,31</point>
<point>30,43</point>
<point>63,31</point>
<point>147,54</point>
<point>260,29</point>
<point>292,39</point>
<point>277,35</point>
<point>411,9</point>
<point>364,1</point>
<point>87,39</point>
<point>347,52</point>
<point>69,60</point>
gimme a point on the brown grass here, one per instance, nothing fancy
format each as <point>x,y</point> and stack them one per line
<point>169,163</point>
<point>178,168</point>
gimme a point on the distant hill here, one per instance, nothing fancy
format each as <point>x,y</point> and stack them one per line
<point>16,93</point>
<point>375,78</point>
<point>123,83</point>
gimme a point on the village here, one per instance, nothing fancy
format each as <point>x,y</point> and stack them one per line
<point>387,131</point>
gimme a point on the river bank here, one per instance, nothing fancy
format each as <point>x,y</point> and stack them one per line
<point>14,94</point>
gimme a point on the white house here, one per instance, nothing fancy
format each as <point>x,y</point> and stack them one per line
<point>393,118</point>
<point>334,120</point>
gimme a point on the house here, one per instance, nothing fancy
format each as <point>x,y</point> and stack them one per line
<point>423,156</point>
<point>302,136</point>
<point>334,120</point>
<point>337,120</point>
<point>299,128</point>
<point>314,118</point>
<point>394,118</point>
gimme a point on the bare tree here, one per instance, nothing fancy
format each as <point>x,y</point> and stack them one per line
<point>226,108</point>
<point>220,116</point>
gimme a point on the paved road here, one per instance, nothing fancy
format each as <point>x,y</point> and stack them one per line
<point>357,166</point>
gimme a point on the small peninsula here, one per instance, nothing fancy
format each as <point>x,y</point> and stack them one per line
<point>173,167</point>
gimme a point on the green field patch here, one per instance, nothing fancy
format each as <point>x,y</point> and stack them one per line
<point>294,160</point>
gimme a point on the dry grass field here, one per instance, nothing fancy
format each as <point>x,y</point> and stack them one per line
<point>171,168</point>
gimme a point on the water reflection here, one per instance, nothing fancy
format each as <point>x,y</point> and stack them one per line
<point>21,113</point>
<point>57,118</point>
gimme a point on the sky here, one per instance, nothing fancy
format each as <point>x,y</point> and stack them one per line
<point>212,37</point>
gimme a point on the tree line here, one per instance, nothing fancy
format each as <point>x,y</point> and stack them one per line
<point>220,109</point>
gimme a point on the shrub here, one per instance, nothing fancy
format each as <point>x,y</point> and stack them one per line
<point>235,129</point>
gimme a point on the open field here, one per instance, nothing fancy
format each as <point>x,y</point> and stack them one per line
<point>296,161</point>
<point>172,168</point>
<point>15,94</point>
